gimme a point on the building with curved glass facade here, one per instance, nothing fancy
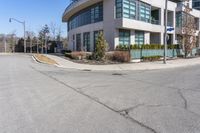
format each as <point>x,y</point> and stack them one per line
<point>123,22</point>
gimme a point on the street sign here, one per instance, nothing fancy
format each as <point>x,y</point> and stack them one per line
<point>170,29</point>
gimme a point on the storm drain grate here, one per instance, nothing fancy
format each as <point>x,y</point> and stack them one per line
<point>117,74</point>
<point>86,70</point>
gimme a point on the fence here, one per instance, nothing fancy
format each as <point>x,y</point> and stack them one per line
<point>139,53</point>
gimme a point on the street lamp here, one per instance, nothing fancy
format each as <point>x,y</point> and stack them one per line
<point>165,34</point>
<point>24,26</point>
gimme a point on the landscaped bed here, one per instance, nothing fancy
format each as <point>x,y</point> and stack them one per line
<point>44,59</point>
<point>86,58</point>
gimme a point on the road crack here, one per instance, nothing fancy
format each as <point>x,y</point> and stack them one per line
<point>98,101</point>
<point>184,99</point>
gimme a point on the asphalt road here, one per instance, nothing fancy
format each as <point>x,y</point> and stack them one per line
<point>39,98</point>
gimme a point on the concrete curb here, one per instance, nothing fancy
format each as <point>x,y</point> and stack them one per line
<point>178,63</point>
<point>39,61</point>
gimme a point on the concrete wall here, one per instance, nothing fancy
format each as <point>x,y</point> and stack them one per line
<point>109,22</point>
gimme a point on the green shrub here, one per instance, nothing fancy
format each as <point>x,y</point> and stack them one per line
<point>89,56</point>
<point>109,56</point>
<point>68,55</point>
<point>135,46</point>
<point>121,56</point>
<point>151,58</point>
<point>101,48</point>
<point>147,46</point>
<point>122,47</point>
<point>77,55</point>
<point>65,51</point>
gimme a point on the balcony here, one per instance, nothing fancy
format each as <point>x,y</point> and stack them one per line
<point>155,15</point>
<point>156,22</point>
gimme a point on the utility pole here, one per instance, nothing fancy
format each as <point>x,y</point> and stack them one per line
<point>165,34</point>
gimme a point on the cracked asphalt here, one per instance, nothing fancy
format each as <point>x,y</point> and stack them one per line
<point>39,98</point>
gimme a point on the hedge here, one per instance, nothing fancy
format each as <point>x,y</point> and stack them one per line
<point>147,46</point>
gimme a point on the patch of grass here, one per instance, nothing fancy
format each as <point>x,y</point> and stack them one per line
<point>44,59</point>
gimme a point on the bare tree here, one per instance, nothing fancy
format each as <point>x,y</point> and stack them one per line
<point>56,32</point>
<point>189,27</point>
<point>53,28</point>
<point>65,42</point>
<point>59,33</point>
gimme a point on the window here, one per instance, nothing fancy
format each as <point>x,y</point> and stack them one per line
<point>78,42</point>
<point>133,9</point>
<point>118,4</point>
<point>126,9</point>
<point>144,12</point>
<point>86,41</point>
<point>182,18</point>
<point>196,4</point>
<point>89,15</point>
<point>139,37</point>
<point>178,19</point>
<point>124,37</point>
<point>73,42</point>
<point>129,9</point>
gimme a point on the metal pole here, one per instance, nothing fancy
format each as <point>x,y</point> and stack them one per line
<point>165,34</point>
<point>24,37</point>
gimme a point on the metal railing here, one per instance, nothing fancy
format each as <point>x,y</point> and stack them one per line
<point>171,53</point>
<point>153,21</point>
<point>70,5</point>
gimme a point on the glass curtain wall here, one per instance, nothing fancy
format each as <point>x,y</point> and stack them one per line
<point>124,37</point>
<point>89,15</point>
<point>139,37</point>
<point>86,41</point>
<point>133,9</point>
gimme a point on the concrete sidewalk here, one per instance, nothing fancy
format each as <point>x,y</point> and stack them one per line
<point>130,66</point>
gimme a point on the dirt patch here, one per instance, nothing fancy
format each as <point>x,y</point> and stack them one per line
<point>44,59</point>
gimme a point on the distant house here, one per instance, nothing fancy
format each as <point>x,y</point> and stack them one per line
<point>55,46</point>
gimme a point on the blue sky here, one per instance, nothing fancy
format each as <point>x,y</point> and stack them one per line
<point>36,13</point>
